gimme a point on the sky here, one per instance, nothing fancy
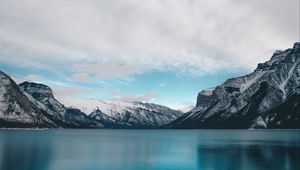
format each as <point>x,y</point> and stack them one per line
<point>161,51</point>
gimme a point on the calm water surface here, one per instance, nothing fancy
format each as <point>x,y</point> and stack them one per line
<point>150,150</point>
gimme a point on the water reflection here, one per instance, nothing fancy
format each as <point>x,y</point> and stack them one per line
<point>24,152</point>
<point>245,157</point>
<point>149,150</point>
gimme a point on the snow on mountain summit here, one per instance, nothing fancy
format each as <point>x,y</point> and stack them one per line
<point>136,114</point>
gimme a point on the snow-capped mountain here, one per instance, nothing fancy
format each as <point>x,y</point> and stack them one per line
<point>33,105</point>
<point>266,98</point>
<point>134,114</point>
<point>16,110</point>
<point>42,96</point>
<point>269,97</point>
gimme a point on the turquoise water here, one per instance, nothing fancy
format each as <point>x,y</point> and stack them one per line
<point>149,150</point>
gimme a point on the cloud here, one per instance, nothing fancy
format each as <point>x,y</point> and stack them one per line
<point>129,37</point>
<point>138,98</point>
<point>63,92</point>
<point>163,84</point>
<point>32,77</point>
<point>116,95</point>
<point>82,77</point>
<point>16,79</point>
<point>104,71</point>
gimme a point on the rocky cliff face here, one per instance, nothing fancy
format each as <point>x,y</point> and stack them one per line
<point>43,97</point>
<point>16,110</point>
<point>33,105</point>
<point>256,100</point>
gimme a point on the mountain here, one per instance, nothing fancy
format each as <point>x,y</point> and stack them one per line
<point>266,98</point>
<point>33,105</point>
<point>186,108</point>
<point>43,96</point>
<point>16,110</point>
<point>133,114</point>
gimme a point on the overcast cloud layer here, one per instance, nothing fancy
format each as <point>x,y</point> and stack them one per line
<point>134,36</point>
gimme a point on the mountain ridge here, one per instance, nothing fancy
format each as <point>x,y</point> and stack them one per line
<point>239,101</point>
<point>134,114</point>
<point>269,97</point>
<point>43,110</point>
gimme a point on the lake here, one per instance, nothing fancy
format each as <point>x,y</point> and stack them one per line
<point>82,149</point>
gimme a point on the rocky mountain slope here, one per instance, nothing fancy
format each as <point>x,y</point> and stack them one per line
<point>16,110</point>
<point>42,96</point>
<point>34,105</point>
<point>269,97</point>
<point>134,114</point>
<point>266,98</point>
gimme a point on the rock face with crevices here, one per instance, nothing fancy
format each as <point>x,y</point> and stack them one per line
<point>266,98</point>
<point>16,110</point>
<point>44,99</point>
<point>32,105</point>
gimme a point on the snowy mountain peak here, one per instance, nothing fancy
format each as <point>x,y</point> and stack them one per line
<point>134,114</point>
<point>95,111</point>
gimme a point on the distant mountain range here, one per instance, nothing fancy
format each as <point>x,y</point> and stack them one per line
<point>267,98</point>
<point>31,104</point>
